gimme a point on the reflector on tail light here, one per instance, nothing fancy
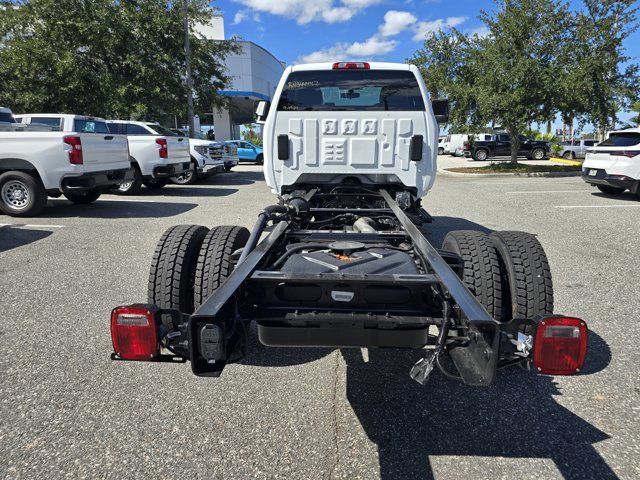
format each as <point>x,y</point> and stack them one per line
<point>351,66</point>
<point>560,345</point>
<point>163,151</point>
<point>134,333</point>
<point>75,153</point>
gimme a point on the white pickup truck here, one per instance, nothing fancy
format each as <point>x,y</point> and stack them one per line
<point>157,154</point>
<point>204,160</point>
<point>79,161</point>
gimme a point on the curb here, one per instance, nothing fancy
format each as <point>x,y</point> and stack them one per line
<point>497,175</point>
<point>565,161</point>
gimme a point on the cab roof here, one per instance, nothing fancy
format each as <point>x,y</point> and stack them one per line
<point>372,66</point>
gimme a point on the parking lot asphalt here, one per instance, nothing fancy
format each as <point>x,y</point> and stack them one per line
<point>69,412</point>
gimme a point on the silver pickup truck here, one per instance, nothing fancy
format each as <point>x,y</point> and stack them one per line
<point>575,149</point>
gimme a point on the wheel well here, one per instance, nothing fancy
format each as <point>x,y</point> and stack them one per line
<point>18,164</point>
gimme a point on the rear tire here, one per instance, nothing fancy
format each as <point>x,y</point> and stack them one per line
<point>530,287</point>
<point>155,183</point>
<point>481,155</point>
<point>214,262</point>
<point>83,198</point>
<point>187,178</point>
<point>133,187</point>
<point>610,190</point>
<point>481,268</point>
<point>173,267</point>
<point>21,194</point>
<point>537,154</point>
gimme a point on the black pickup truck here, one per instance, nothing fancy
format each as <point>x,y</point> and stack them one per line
<point>500,145</point>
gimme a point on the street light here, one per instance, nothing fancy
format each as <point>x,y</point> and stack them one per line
<point>187,54</point>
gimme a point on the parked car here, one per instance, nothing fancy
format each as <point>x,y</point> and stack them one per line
<point>247,151</point>
<point>465,149</point>
<point>500,145</point>
<point>79,161</point>
<point>453,142</point>
<point>613,166</point>
<point>6,116</point>
<point>157,154</point>
<point>441,141</point>
<point>204,160</point>
<point>576,148</point>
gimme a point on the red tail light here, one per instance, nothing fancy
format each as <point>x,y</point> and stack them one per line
<point>163,151</point>
<point>134,334</point>
<point>351,66</point>
<point>560,346</point>
<point>75,154</point>
<point>466,146</point>
<point>627,153</point>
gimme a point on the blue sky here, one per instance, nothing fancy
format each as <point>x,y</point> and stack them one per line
<point>331,30</point>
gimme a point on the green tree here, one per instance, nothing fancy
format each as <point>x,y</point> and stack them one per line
<point>636,109</point>
<point>539,59</point>
<point>109,58</point>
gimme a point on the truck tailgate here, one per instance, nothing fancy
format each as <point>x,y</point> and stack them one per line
<point>178,148</point>
<point>104,151</point>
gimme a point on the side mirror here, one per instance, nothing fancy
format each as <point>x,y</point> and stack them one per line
<point>441,110</point>
<point>262,110</point>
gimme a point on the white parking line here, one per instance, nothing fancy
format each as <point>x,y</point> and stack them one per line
<point>102,200</point>
<point>564,207</point>
<point>31,225</point>
<point>553,191</point>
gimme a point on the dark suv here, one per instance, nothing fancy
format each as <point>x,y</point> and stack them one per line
<point>500,145</point>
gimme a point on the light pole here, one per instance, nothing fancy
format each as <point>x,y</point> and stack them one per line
<point>187,54</point>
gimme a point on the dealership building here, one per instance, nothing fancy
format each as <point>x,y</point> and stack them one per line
<point>255,73</point>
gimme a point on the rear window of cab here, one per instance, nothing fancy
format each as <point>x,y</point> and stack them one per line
<point>351,90</point>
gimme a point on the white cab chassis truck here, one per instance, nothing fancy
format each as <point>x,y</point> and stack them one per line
<point>341,260</point>
<point>157,154</point>
<point>79,160</point>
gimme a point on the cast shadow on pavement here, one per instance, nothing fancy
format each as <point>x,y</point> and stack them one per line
<point>120,208</point>
<point>14,236</point>
<point>516,417</point>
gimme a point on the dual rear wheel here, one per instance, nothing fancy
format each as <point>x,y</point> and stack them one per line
<point>508,272</point>
<point>190,263</point>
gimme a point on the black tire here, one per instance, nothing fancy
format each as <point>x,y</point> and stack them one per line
<point>133,187</point>
<point>173,267</point>
<point>481,155</point>
<point>610,190</point>
<point>187,178</point>
<point>568,155</point>
<point>21,194</point>
<point>83,198</point>
<point>155,183</point>
<point>528,275</point>
<point>537,154</point>
<point>482,274</point>
<point>440,151</point>
<point>227,168</point>
<point>260,159</point>
<point>214,262</point>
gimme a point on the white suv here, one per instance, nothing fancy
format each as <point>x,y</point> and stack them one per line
<point>613,166</point>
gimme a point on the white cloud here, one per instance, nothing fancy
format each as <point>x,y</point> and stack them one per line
<point>482,31</point>
<point>396,22</point>
<point>242,15</point>
<point>239,17</point>
<point>305,11</point>
<point>422,29</point>
<point>371,47</point>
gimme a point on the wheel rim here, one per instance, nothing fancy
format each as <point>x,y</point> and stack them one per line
<point>482,155</point>
<point>15,194</point>
<point>538,154</point>
<point>123,187</point>
<point>184,177</point>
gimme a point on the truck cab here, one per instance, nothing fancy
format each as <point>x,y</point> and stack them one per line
<point>331,121</point>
